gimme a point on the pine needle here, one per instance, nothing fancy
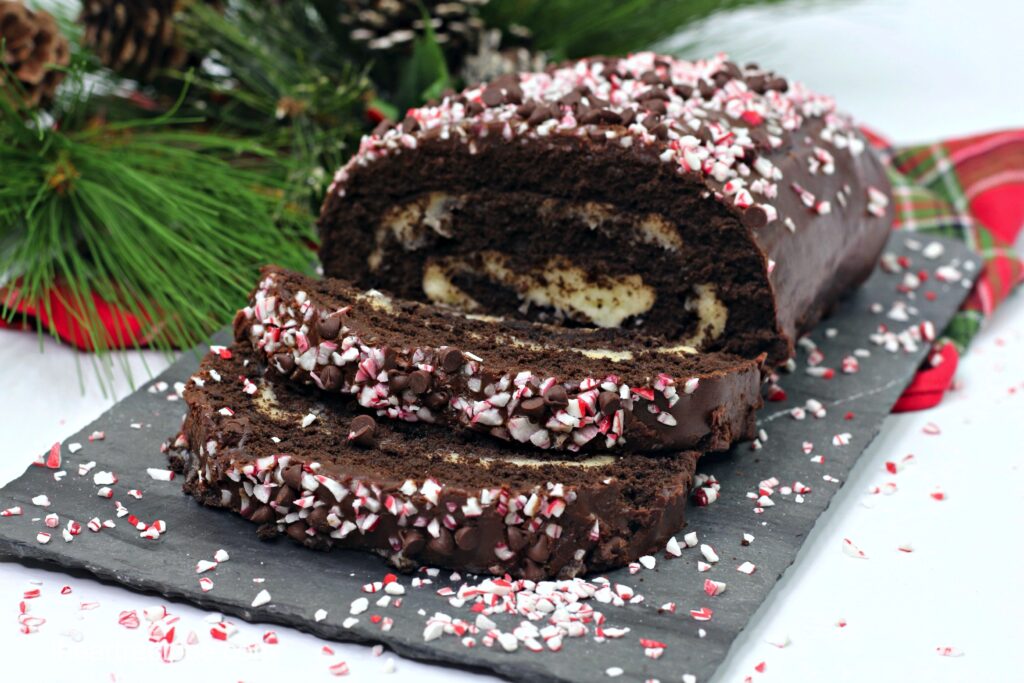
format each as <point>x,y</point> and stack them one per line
<point>151,215</point>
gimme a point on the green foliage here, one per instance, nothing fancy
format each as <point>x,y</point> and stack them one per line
<point>153,215</point>
<point>277,74</point>
<point>568,29</point>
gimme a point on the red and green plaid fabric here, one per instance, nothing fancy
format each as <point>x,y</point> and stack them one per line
<point>971,189</point>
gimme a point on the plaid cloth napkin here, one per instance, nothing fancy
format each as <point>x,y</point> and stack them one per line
<point>971,189</point>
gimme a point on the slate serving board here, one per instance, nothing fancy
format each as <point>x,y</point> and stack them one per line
<point>302,581</point>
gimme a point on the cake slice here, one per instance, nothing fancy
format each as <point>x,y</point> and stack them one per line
<point>538,385</point>
<point>306,464</point>
<point>705,203</point>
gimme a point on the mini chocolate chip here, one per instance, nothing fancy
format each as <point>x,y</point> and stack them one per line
<point>778,84</point>
<point>318,519</point>
<point>540,551</point>
<point>557,396</point>
<point>540,115</point>
<point>721,78</point>
<point>390,359</point>
<point>684,91</point>
<point>467,537</point>
<point>609,402</point>
<point>382,128</point>
<point>513,94</point>
<point>361,431</point>
<point>328,328</point>
<point>292,476</point>
<point>284,363</point>
<point>413,542</point>
<point>297,530</point>
<point>755,217</point>
<point>492,96</point>
<point>650,78</point>
<point>500,433</point>
<point>474,108</point>
<point>655,106</point>
<point>420,381</point>
<point>533,406</point>
<point>443,544</point>
<point>263,514</point>
<point>285,496</point>
<point>600,116</point>
<point>628,117</point>
<point>757,83</point>
<point>451,360</point>
<point>517,538</point>
<point>523,111</point>
<point>330,377</point>
<point>398,381</point>
<point>436,400</point>
<point>706,88</point>
<point>410,125</point>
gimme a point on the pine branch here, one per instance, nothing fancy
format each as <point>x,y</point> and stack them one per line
<point>569,29</point>
<point>151,215</point>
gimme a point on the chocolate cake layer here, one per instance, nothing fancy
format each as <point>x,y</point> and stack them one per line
<point>538,385</point>
<point>306,464</point>
<point>708,204</point>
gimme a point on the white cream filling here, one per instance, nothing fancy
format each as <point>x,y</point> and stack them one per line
<point>651,228</point>
<point>559,285</point>
<point>712,315</point>
<point>592,461</point>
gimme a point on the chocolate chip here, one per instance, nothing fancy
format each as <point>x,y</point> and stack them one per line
<point>755,217</point>
<point>297,530</point>
<point>684,91</point>
<point>540,551</point>
<point>390,359</point>
<point>398,381</point>
<point>557,396</point>
<point>655,106</point>
<point>443,544</point>
<point>382,128</point>
<point>293,476</point>
<point>533,406</point>
<point>706,88</point>
<point>757,83</point>
<point>650,78</point>
<point>420,382</point>
<point>263,514</point>
<point>600,116</point>
<point>285,496</point>
<point>517,538</point>
<point>609,402</point>
<point>410,125</point>
<point>330,377</point>
<point>523,111</point>
<point>492,96</point>
<point>284,363</point>
<point>451,360</point>
<point>474,108</point>
<point>436,400</point>
<point>540,115</point>
<point>467,537</point>
<point>361,431</point>
<point>628,117</point>
<point>328,328</point>
<point>778,84</point>
<point>413,542</point>
<point>318,519</point>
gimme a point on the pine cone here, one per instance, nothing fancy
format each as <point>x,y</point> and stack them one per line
<point>32,46</point>
<point>501,53</point>
<point>388,27</point>
<point>136,38</point>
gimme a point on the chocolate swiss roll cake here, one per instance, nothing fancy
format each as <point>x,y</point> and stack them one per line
<point>704,203</point>
<point>306,464</point>
<point>541,386</point>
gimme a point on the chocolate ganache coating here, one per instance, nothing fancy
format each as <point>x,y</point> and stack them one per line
<point>703,202</point>
<point>303,463</point>
<point>548,387</point>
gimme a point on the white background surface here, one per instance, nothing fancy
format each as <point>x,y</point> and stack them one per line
<point>914,70</point>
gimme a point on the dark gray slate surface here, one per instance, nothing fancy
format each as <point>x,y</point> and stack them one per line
<point>303,581</point>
